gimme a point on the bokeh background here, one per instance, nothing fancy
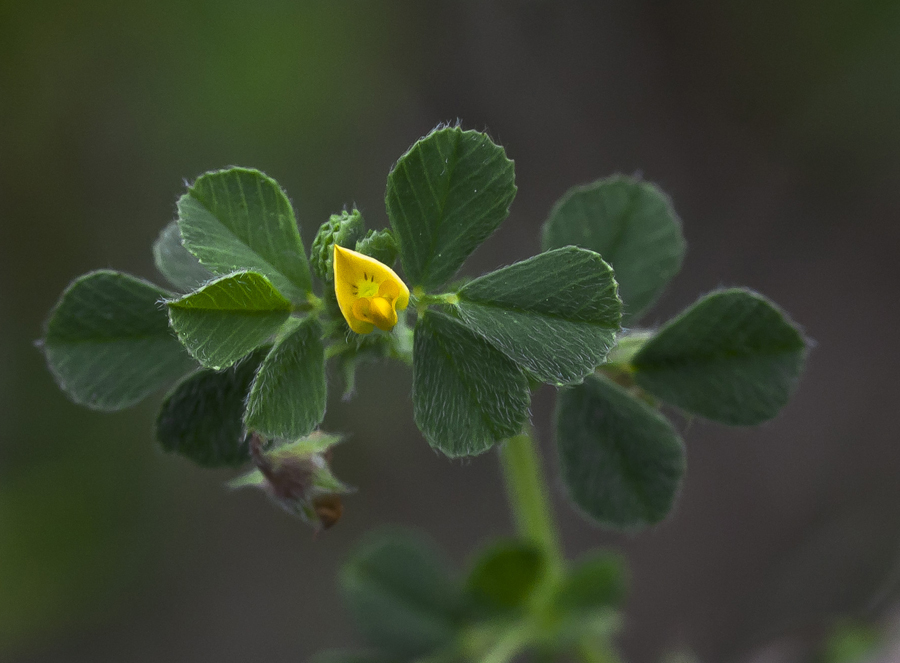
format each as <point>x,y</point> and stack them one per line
<point>774,126</point>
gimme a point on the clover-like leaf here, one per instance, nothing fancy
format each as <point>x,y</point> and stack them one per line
<point>239,219</point>
<point>555,314</point>
<point>621,461</point>
<point>202,417</point>
<point>108,342</point>
<point>401,595</point>
<point>289,392</point>
<point>733,357</point>
<point>632,225</point>
<point>467,396</point>
<point>228,318</point>
<point>444,197</point>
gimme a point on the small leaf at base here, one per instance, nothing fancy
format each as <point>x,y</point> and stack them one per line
<point>504,576</point>
<point>401,595</point>
<point>176,263</point>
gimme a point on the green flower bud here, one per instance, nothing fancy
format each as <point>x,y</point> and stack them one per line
<point>380,245</point>
<point>343,229</point>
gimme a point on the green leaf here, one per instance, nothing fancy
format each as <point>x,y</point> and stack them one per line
<point>445,196</point>
<point>343,229</point>
<point>228,318</point>
<point>289,393</point>
<point>176,263</point>
<point>586,603</point>
<point>851,642</point>
<point>595,583</point>
<point>108,342</point>
<point>504,576</point>
<point>555,314</point>
<point>240,219</point>
<point>621,460</point>
<point>401,595</point>
<point>632,225</point>
<point>733,357</point>
<point>202,417</point>
<point>467,396</point>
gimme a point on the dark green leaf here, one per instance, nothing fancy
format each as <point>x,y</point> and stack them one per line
<point>176,263</point>
<point>202,417</point>
<point>228,318</point>
<point>733,357</point>
<point>108,342</point>
<point>288,395</point>
<point>444,198</point>
<point>505,575</point>
<point>556,314</point>
<point>467,396</point>
<point>240,219</point>
<point>632,225</point>
<point>343,229</point>
<point>597,582</point>
<point>621,460</point>
<point>851,642</point>
<point>401,595</point>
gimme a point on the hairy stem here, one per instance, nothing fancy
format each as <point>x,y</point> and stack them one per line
<point>529,499</point>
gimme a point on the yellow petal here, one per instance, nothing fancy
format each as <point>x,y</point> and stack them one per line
<point>358,277</point>
<point>382,313</point>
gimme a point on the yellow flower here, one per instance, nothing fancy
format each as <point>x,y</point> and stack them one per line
<point>368,292</point>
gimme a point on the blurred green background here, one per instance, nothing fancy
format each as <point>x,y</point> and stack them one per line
<point>773,125</point>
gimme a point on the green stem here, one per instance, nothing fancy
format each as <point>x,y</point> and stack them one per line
<point>627,346</point>
<point>529,499</point>
<point>421,300</point>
